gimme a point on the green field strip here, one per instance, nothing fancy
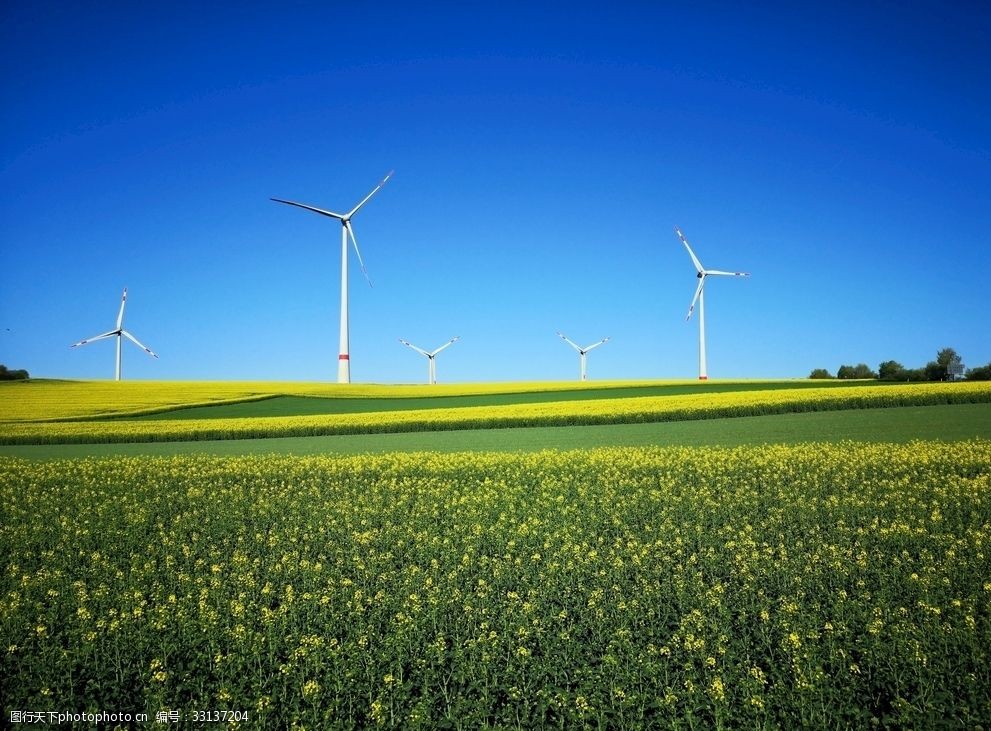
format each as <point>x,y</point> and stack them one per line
<point>316,405</point>
<point>901,424</point>
<point>158,411</point>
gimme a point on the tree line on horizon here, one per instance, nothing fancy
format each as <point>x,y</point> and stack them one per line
<point>8,375</point>
<point>945,368</point>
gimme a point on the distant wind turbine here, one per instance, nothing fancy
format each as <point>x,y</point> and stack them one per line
<point>431,362</point>
<point>699,297</point>
<point>117,333</point>
<point>344,354</point>
<point>582,352</point>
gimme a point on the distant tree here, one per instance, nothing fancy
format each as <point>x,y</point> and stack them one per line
<point>915,374</point>
<point>861,370</point>
<point>939,369</point>
<point>891,370</point>
<point>820,373</point>
<point>933,371</point>
<point>981,373</point>
<point>9,375</point>
<point>946,358</point>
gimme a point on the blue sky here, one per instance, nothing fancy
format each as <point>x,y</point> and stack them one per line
<point>543,153</point>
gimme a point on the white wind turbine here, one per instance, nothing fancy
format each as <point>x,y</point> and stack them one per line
<point>117,333</point>
<point>700,298</point>
<point>432,364</point>
<point>344,355</point>
<point>582,352</point>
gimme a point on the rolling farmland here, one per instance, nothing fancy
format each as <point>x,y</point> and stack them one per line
<point>53,400</point>
<point>797,578</point>
<point>353,193</point>
<point>18,428</point>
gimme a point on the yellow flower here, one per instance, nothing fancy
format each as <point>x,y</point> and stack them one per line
<point>378,712</point>
<point>311,689</point>
<point>716,690</point>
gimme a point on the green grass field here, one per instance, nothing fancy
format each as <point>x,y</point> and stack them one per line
<point>312,405</point>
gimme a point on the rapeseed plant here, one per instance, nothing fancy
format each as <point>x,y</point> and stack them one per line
<point>781,586</point>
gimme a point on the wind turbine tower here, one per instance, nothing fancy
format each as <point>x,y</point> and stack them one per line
<point>117,332</point>
<point>583,375</point>
<point>344,352</point>
<point>431,356</point>
<point>699,297</point>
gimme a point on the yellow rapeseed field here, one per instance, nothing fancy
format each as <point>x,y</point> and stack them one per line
<point>571,412</point>
<point>45,400</point>
<point>817,586</point>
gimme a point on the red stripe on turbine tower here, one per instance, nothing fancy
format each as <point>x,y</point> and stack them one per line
<point>343,356</point>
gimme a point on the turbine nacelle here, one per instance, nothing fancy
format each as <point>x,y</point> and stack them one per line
<point>344,218</point>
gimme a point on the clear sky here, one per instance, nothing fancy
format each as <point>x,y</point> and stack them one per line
<point>543,152</point>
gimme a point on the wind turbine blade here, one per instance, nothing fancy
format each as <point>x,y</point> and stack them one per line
<point>596,345</point>
<point>134,340</point>
<point>569,342</point>
<point>374,191</point>
<point>448,344</point>
<point>727,274</point>
<point>322,212</point>
<point>695,259</point>
<point>418,350</point>
<point>93,339</point>
<point>347,225</point>
<point>120,315</point>
<point>695,299</point>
